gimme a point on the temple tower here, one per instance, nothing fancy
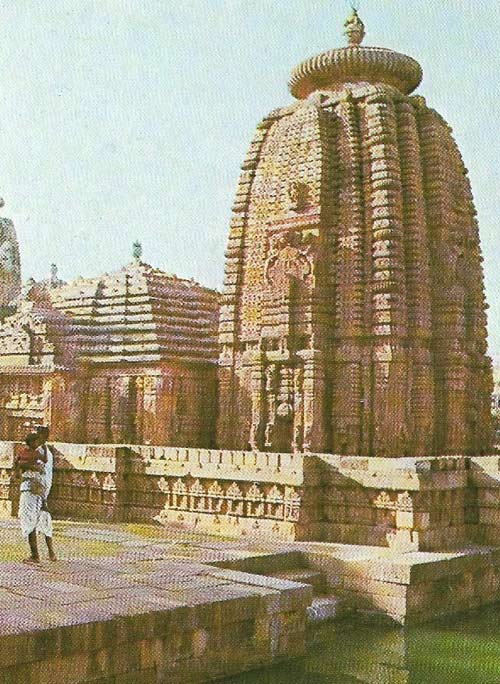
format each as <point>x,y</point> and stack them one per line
<point>353,315</point>
<point>10,263</point>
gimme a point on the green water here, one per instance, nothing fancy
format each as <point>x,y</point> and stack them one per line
<point>463,651</point>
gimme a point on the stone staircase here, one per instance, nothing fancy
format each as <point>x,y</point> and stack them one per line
<point>325,605</point>
<point>293,566</point>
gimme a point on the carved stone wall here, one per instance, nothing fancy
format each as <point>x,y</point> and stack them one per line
<point>169,405</point>
<point>419,504</point>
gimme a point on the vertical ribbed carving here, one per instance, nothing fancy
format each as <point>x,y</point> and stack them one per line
<point>354,313</point>
<point>447,286</point>
<point>384,199</point>
<point>420,410</point>
<point>231,296</point>
<point>469,274</point>
<point>349,284</point>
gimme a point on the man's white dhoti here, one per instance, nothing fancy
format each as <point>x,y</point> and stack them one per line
<point>30,508</point>
<point>44,524</point>
<point>45,519</point>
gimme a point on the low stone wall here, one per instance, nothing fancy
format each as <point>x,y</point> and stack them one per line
<point>406,503</point>
<point>485,478</point>
<point>228,492</point>
<point>174,622</point>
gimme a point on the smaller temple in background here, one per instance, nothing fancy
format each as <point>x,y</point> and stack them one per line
<point>127,357</point>
<point>10,263</point>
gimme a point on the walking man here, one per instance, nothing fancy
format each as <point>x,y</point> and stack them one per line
<point>32,488</point>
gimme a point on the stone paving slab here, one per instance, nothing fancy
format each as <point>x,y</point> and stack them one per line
<point>128,583</point>
<point>154,603</point>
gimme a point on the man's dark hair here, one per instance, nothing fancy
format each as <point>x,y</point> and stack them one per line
<point>42,430</point>
<point>32,439</point>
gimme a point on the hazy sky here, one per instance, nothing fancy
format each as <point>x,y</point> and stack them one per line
<point>128,119</point>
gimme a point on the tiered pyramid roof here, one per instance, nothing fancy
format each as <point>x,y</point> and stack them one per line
<point>140,314</point>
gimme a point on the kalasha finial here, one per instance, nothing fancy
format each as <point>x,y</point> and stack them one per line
<point>53,274</point>
<point>354,29</point>
<point>137,250</point>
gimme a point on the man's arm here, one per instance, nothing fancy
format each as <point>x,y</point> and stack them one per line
<point>42,451</point>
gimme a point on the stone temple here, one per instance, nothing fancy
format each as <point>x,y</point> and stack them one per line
<point>353,314</point>
<point>127,357</point>
<point>348,402</point>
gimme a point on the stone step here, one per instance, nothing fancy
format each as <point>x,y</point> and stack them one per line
<point>325,608</point>
<point>305,576</point>
<point>266,564</point>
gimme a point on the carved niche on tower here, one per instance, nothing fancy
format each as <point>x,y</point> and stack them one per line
<point>289,258</point>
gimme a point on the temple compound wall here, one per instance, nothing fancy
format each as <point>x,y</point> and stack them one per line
<point>419,504</point>
<point>127,357</point>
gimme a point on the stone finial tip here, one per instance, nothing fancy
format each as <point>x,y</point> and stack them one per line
<point>53,274</point>
<point>137,250</point>
<point>354,29</point>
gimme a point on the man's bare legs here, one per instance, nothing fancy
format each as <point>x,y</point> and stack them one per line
<point>34,558</point>
<point>50,547</point>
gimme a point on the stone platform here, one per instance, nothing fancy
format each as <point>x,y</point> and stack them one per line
<point>410,587</point>
<point>143,615</point>
<point>404,504</point>
<point>138,604</point>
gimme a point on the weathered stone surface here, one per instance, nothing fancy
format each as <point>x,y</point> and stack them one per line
<point>404,504</point>
<point>194,621</point>
<point>353,313</point>
<point>127,357</point>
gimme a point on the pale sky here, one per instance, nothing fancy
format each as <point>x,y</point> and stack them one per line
<point>128,119</point>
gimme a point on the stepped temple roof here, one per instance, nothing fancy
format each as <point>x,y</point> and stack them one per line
<point>140,314</point>
<point>137,314</point>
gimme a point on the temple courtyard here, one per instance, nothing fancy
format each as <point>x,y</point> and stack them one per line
<point>131,602</point>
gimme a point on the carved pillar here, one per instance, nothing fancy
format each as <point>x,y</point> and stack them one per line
<point>350,424</point>
<point>139,412</point>
<point>271,405</point>
<point>164,408</point>
<point>149,408</point>
<point>57,416</point>
<point>226,397</point>
<point>99,410</point>
<point>121,411</point>
<point>455,404</point>
<point>298,409</point>
<point>257,401</point>
<point>313,398</point>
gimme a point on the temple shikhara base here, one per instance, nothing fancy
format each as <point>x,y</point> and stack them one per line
<point>315,441</point>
